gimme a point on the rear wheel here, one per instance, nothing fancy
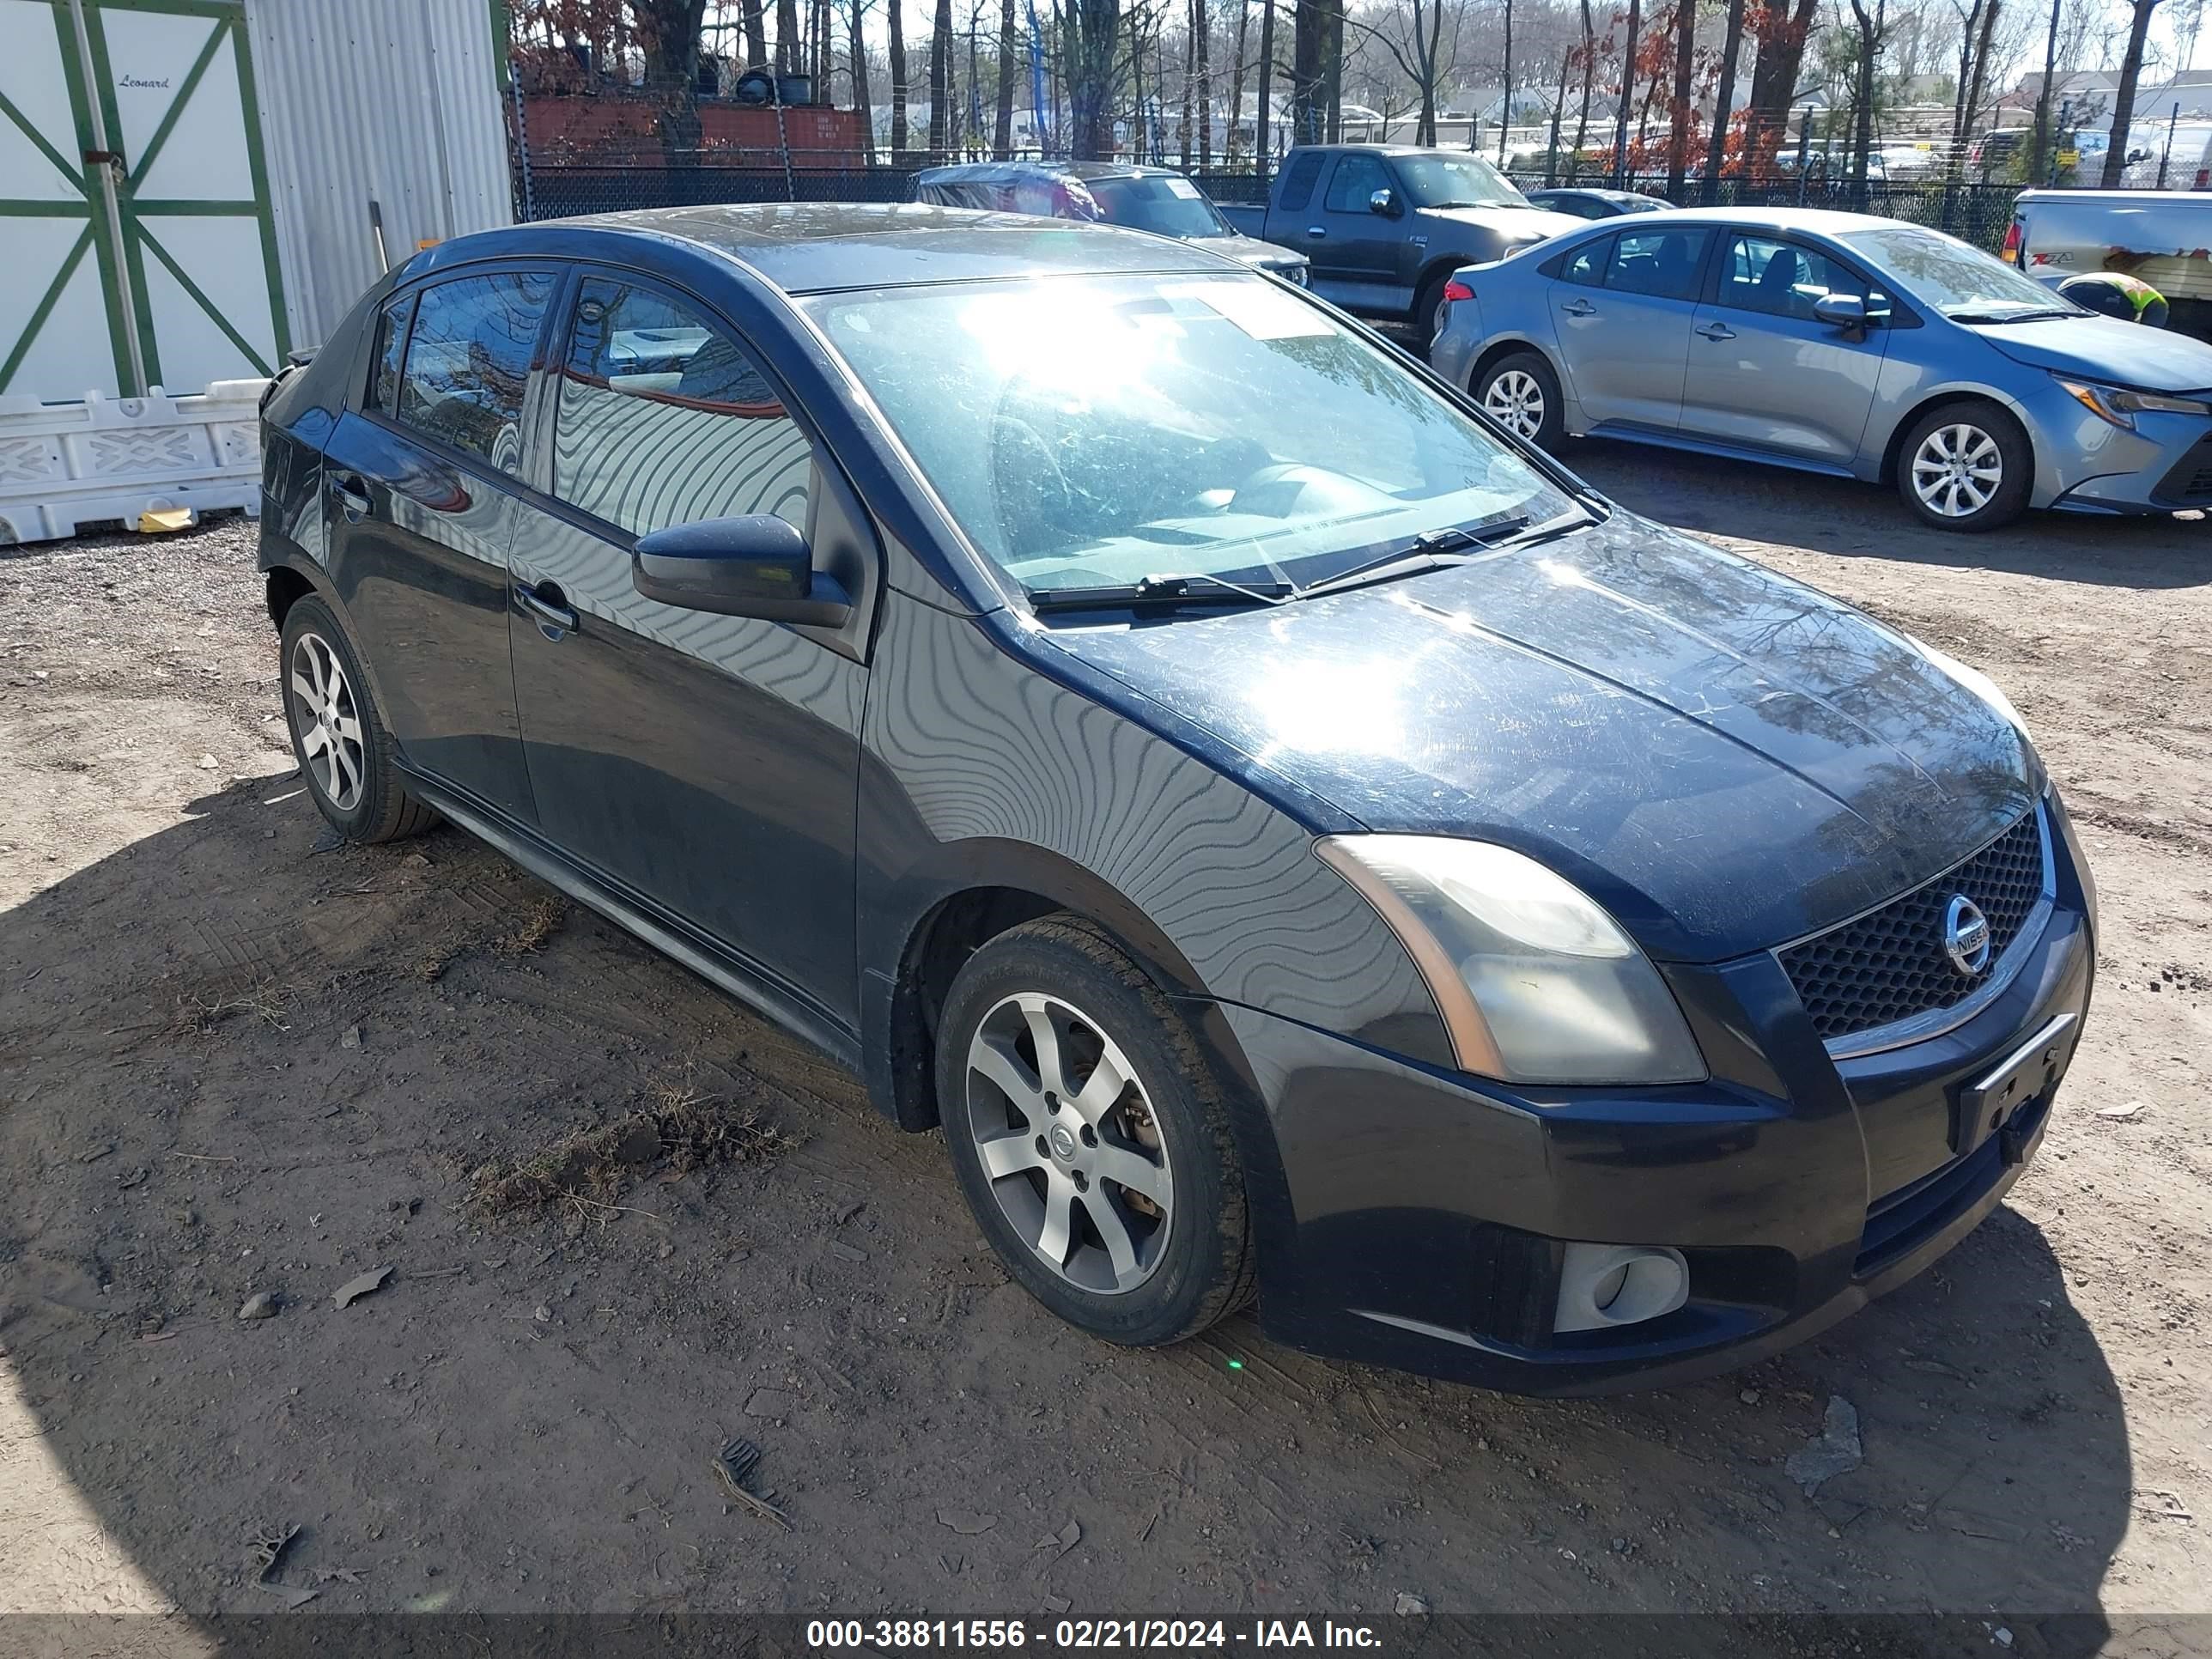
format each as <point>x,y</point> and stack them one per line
<point>343,751</point>
<point>1966,466</point>
<point>1089,1136</point>
<point>1522,394</point>
<point>1428,306</point>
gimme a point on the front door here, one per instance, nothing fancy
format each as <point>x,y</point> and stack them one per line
<point>708,765</point>
<point>1360,272</point>
<point>1623,306</point>
<point>1764,374</point>
<point>421,494</point>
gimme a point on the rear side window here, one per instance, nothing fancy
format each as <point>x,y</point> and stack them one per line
<point>1585,265</point>
<point>665,420</point>
<point>391,341</point>
<point>1662,264</point>
<point>468,360</point>
<point>1298,182</point>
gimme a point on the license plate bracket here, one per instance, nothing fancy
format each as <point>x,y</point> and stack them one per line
<point>1983,1107</point>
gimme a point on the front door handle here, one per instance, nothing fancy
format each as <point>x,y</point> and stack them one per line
<point>353,496</point>
<point>1717,332</point>
<point>549,605</point>
<point>1314,233</point>
<point>1579,308</point>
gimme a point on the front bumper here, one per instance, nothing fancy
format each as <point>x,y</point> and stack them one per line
<point>1427,1209</point>
<point>2087,465</point>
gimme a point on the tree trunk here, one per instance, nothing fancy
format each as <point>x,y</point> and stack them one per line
<point>668,37</point>
<point>1627,97</point>
<point>756,35</point>
<point>941,83</point>
<point>2035,168</point>
<point>786,37</point>
<point>1505,114</point>
<point>1590,81</point>
<point>1093,29</point>
<point>899,134</point>
<point>1263,147</point>
<point>1869,49</point>
<point>1236,132</point>
<point>1182,119</point>
<point>1973,92</point>
<point>1205,87</point>
<point>1678,107</point>
<point>1002,127</point>
<point>1332,71</point>
<point>1141,131</point>
<point>1307,30</point>
<point>1774,80</point>
<point>856,43</point>
<point>2124,95</point>
<point>1717,148</point>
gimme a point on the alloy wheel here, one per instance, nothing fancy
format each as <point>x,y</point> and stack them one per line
<point>329,721</point>
<point>1516,401</point>
<point>1069,1141</point>
<point>1956,471</point>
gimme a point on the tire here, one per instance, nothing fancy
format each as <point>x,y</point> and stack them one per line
<point>1428,307</point>
<point>1183,1256</point>
<point>1943,467</point>
<point>332,713</point>
<point>1522,394</point>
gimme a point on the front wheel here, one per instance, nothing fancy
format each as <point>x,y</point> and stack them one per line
<point>1966,466</point>
<point>1522,394</point>
<point>1089,1136</point>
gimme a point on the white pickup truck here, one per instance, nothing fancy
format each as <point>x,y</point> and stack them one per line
<point>2162,236</point>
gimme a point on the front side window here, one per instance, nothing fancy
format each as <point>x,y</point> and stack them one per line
<point>1357,177</point>
<point>665,420</point>
<point>1089,431</point>
<point>468,362</point>
<point>1782,279</point>
<point>1662,264</point>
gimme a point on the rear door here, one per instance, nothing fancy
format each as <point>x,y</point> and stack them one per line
<point>1623,306</point>
<point>1764,373</point>
<point>423,494</point>
<point>708,765</point>
<point>1292,217</point>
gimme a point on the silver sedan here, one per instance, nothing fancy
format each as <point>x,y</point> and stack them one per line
<point>1835,342</point>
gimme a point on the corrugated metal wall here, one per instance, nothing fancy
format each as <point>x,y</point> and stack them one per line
<point>398,101</point>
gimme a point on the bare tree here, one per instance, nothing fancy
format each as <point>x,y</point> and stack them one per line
<point>1414,42</point>
<point>1090,32</point>
<point>2124,95</point>
<point>2043,96</point>
<point>858,45</point>
<point>1505,114</point>
<point>1627,89</point>
<point>940,81</point>
<point>899,134</point>
<point>1262,139</point>
<point>668,36</point>
<point>1724,96</point>
<point>1202,27</point>
<point>1678,107</point>
<point>1234,135</point>
<point>1002,126</point>
<point>1871,26</point>
<point>1590,81</point>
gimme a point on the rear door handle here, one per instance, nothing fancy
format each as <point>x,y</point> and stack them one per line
<point>549,605</point>
<point>1579,308</point>
<point>1717,332</point>
<point>353,495</point>
<point>1314,233</point>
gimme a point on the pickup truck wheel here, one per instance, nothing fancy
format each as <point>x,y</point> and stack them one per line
<point>1522,394</point>
<point>1428,306</point>
<point>1966,466</point>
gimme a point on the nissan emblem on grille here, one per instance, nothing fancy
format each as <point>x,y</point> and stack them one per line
<point>1966,935</point>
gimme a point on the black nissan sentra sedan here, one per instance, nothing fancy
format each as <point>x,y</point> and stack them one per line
<point>1289,836</point>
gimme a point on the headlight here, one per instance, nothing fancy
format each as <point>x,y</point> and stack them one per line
<point>1974,680</point>
<point>1536,984</point>
<point>2120,406</point>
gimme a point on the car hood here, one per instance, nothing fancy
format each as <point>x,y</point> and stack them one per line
<point>2105,349</point>
<point>1515,224</point>
<point>1725,759</point>
<point>1250,250</point>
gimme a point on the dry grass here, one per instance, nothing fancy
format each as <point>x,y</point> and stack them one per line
<point>680,1129</point>
<point>539,923</point>
<point>197,1015</point>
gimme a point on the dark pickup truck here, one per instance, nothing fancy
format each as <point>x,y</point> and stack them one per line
<point>1385,224</point>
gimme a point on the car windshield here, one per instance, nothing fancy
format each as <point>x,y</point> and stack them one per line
<point>1160,202</point>
<point>1433,180</point>
<point>1963,282</point>
<point>1089,432</point>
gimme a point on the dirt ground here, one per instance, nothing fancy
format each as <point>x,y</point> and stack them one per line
<point>234,1059</point>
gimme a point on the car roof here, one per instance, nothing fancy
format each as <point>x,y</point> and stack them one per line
<point>812,247</point>
<point>985,172</point>
<point>1825,222</point>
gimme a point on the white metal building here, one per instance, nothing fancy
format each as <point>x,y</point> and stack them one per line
<point>185,191</point>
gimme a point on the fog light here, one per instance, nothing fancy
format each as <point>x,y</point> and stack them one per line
<point>1602,1285</point>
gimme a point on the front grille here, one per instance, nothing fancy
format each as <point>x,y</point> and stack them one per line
<point>1890,964</point>
<point>2188,480</point>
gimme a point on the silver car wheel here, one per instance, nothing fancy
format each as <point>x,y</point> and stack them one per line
<point>1069,1141</point>
<point>328,722</point>
<point>1956,471</point>
<point>1516,402</point>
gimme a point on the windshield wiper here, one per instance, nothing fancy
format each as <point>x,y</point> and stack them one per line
<point>1434,549</point>
<point>2030,314</point>
<point>1191,587</point>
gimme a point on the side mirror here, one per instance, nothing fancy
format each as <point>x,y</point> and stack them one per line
<point>1384,201</point>
<point>757,566</point>
<point>1845,311</point>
